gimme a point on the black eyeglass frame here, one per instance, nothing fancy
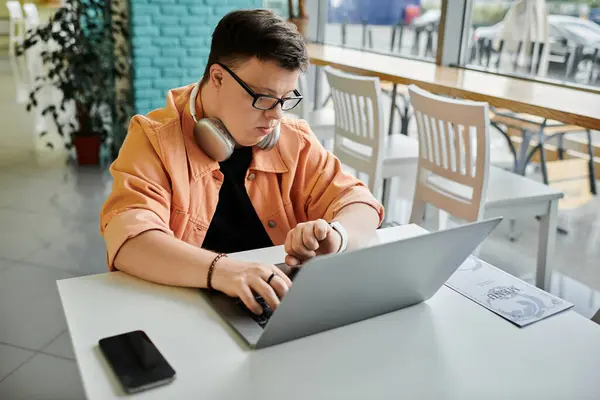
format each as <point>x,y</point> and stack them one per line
<point>256,96</point>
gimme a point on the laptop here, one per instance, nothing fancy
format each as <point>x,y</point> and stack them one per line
<point>334,290</point>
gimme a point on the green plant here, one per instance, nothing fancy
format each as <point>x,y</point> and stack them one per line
<point>82,61</point>
<point>488,14</point>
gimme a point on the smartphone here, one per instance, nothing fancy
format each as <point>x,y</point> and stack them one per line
<point>136,361</point>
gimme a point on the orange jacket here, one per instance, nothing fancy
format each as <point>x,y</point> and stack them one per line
<point>164,181</point>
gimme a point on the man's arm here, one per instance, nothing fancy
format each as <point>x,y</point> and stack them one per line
<point>360,222</point>
<point>135,223</point>
<point>135,218</point>
<point>329,194</point>
<point>157,257</point>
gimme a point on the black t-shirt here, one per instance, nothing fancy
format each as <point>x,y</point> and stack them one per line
<point>235,225</point>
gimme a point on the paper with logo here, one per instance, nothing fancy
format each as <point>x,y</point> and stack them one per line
<point>511,298</point>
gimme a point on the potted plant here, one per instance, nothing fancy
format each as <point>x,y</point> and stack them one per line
<point>80,59</point>
<point>299,18</point>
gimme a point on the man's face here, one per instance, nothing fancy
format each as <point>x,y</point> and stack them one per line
<point>248,125</point>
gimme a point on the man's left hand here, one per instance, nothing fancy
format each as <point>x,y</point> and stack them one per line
<point>309,239</point>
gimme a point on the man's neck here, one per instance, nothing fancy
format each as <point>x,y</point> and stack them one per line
<point>208,101</point>
<point>209,104</point>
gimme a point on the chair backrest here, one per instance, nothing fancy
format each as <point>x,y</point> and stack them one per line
<point>359,139</point>
<point>14,10</point>
<point>453,165</point>
<point>32,16</point>
<point>16,22</point>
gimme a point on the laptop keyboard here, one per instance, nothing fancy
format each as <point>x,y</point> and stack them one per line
<point>260,319</point>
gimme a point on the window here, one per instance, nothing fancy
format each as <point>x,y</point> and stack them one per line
<point>401,27</point>
<point>510,38</point>
<point>589,33</point>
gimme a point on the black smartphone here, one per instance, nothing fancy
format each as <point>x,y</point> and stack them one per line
<point>136,361</point>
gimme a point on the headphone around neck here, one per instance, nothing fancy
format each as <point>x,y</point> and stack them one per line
<point>213,137</point>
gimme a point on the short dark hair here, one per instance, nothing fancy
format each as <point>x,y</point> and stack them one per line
<point>243,34</point>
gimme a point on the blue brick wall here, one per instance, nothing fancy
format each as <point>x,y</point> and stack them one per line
<point>171,43</point>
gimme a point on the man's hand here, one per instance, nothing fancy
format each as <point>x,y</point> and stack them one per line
<point>244,279</point>
<point>309,239</point>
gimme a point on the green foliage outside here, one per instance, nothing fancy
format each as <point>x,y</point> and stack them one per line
<point>488,14</point>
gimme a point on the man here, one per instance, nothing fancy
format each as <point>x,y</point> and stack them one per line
<point>174,210</point>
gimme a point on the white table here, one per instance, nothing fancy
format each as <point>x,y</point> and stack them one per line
<point>447,347</point>
<point>513,196</point>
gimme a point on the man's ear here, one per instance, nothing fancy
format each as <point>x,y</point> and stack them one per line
<point>216,75</point>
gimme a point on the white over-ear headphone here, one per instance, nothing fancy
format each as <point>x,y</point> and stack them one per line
<point>213,137</point>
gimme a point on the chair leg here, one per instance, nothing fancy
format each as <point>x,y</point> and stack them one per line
<point>523,158</point>
<point>545,169</point>
<point>326,100</point>
<point>540,147</point>
<point>521,166</point>
<point>405,117</point>
<point>417,215</point>
<point>543,153</point>
<point>511,145</point>
<point>530,155</point>
<point>392,108</point>
<point>561,147</point>
<point>592,169</point>
<point>404,121</point>
<point>543,160</point>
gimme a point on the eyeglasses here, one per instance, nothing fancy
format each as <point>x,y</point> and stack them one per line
<point>264,101</point>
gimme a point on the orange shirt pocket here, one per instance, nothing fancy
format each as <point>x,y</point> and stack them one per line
<point>187,228</point>
<point>278,224</point>
<point>179,221</point>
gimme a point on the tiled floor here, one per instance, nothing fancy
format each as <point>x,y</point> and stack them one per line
<point>49,231</point>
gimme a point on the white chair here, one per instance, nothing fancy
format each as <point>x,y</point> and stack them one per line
<point>454,174</point>
<point>16,25</point>
<point>16,37</point>
<point>360,141</point>
<point>34,58</point>
<point>321,121</point>
<point>34,62</point>
<point>32,16</point>
<point>453,147</point>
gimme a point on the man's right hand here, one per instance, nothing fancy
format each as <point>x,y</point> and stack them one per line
<point>242,279</point>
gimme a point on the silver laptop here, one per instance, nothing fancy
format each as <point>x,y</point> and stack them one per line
<point>339,289</point>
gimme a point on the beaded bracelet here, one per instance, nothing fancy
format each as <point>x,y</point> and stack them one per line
<point>211,269</point>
